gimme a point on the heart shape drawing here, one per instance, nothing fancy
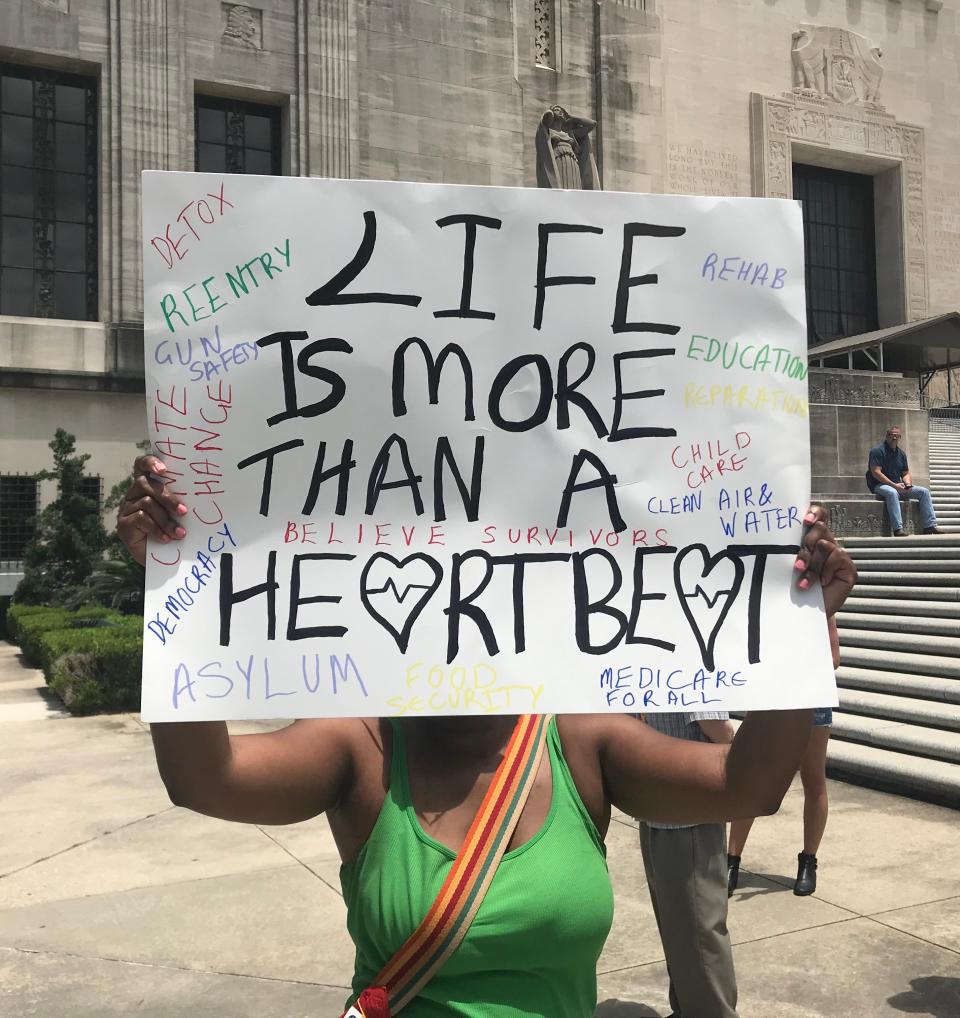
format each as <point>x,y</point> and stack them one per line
<point>393,602</point>
<point>705,611</point>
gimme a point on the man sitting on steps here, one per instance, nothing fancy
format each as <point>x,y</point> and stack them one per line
<point>888,477</point>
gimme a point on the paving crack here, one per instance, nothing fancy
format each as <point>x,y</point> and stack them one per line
<point>87,841</point>
<point>167,967</point>
<point>913,904</point>
<point>297,859</point>
<point>914,936</point>
<point>743,943</point>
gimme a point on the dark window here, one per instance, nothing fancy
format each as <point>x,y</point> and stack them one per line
<point>237,137</point>
<point>91,488</point>
<point>48,194</point>
<point>839,251</point>
<point>18,510</point>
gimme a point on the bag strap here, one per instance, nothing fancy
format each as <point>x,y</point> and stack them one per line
<point>446,923</point>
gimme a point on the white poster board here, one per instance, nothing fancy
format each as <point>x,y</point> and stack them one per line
<point>468,449</point>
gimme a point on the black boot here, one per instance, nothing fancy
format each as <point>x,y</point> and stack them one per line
<point>806,874</point>
<point>733,873</point>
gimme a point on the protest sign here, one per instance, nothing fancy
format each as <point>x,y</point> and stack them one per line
<point>467,450</point>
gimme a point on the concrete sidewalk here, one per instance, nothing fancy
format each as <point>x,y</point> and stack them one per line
<point>113,902</point>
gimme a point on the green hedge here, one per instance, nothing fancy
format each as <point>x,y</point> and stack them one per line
<point>100,672</point>
<point>15,612</point>
<point>93,669</point>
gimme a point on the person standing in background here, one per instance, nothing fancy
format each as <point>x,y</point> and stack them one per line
<point>813,775</point>
<point>685,873</point>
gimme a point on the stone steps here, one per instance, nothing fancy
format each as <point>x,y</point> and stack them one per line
<point>949,580</point>
<point>898,594</point>
<point>894,771</point>
<point>900,661</point>
<point>923,566</point>
<point>898,724</point>
<point>930,611</point>
<point>896,707</point>
<point>899,736</point>
<point>926,687</point>
<point>916,625</point>
<point>901,641</point>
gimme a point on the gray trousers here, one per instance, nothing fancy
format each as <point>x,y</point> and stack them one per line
<point>687,876</point>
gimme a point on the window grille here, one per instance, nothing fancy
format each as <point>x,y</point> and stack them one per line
<point>544,32</point>
<point>48,194</point>
<point>92,488</point>
<point>237,137</point>
<point>839,251</point>
<point>19,495</point>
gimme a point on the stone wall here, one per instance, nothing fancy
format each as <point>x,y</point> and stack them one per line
<point>716,54</point>
<point>443,90</point>
<point>850,412</point>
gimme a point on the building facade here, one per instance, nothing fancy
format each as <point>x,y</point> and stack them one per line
<point>850,105</point>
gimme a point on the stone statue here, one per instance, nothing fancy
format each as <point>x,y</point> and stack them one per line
<point>834,63</point>
<point>242,27</point>
<point>565,151</point>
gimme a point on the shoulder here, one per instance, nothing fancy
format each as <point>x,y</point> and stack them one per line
<point>585,740</point>
<point>877,451</point>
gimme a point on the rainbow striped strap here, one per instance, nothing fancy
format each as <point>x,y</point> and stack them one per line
<point>472,872</point>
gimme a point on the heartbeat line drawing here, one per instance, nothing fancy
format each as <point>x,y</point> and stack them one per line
<point>711,601</point>
<point>398,613</point>
<point>397,593</point>
<point>702,564</point>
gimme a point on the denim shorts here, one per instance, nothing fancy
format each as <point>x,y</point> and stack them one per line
<point>823,717</point>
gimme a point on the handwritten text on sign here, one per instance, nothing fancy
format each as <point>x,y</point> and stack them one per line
<point>473,450</point>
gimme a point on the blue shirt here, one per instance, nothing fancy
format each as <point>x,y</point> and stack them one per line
<point>892,462</point>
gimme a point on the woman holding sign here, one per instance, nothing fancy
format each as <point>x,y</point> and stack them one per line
<point>473,856</point>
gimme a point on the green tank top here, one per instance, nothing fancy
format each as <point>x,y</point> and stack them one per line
<point>532,948</point>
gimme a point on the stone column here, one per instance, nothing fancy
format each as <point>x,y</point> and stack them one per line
<point>145,81</point>
<point>629,96</point>
<point>325,45</point>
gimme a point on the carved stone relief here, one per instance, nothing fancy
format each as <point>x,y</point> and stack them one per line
<point>243,26</point>
<point>543,32</point>
<point>694,168</point>
<point>837,64</point>
<point>834,107</point>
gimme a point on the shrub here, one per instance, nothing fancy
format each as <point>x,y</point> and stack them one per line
<point>31,628</point>
<point>54,643</point>
<point>91,657</point>
<point>100,672</point>
<point>19,611</point>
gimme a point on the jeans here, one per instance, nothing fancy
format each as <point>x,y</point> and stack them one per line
<point>892,497</point>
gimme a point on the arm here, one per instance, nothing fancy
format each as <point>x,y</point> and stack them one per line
<point>278,777</point>
<point>275,778</point>
<point>716,730</point>
<point>650,775</point>
<point>655,777</point>
<point>883,479</point>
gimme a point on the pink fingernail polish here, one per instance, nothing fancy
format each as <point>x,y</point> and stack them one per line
<point>800,565</point>
<point>810,518</point>
<point>182,509</point>
<point>804,583</point>
<point>160,466</point>
<point>180,532</point>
